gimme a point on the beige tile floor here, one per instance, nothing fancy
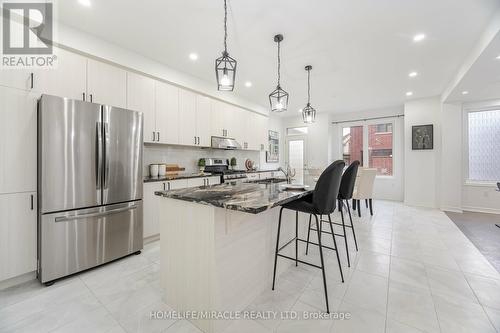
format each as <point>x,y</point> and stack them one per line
<point>415,272</point>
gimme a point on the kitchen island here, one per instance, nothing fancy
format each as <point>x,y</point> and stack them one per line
<point>217,246</point>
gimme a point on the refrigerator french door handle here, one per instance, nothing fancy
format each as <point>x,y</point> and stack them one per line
<point>106,155</point>
<point>96,214</point>
<point>98,152</point>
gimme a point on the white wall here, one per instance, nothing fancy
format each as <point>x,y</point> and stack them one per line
<point>451,178</point>
<point>317,149</point>
<point>421,166</point>
<point>275,124</point>
<point>387,188</point>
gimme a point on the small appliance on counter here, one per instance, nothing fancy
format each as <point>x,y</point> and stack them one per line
<point>164,170</point>
<point>220,166</point>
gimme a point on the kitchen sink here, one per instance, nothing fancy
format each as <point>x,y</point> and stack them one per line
<point>269,181</point>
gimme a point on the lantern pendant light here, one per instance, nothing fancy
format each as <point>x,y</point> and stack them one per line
<point>308,113</point>
<point>225,66</point>
<point>278,99</point>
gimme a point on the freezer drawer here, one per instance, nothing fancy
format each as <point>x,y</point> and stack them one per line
<point>73,241</point>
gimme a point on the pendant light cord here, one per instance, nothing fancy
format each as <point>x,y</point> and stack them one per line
<point>225,26</point>
<point>279,64</point>
<point>308,86</point>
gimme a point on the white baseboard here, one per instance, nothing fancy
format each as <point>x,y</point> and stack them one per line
<point>452,209</point>
<point>17,280</point>
<point>151,239</point>
<point>481,210</point>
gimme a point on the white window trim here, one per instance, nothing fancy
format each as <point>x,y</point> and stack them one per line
<point>366,159</point>
<point>466,109</point>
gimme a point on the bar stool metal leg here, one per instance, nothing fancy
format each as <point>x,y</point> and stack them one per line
<point>345,234</point>
<point>323,263</point>
<point>352,225</point>
<point>308,233</point>
<point>359,208</point>
<point>336,249</point>
<point>296,237</point>
<point>277,247</point>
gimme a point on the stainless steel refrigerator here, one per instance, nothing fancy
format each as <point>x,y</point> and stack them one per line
<point>89,185</point>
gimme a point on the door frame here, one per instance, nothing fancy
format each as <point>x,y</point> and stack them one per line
<point>296,138</point>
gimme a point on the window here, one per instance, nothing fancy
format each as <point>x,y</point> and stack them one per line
<point>380,148</point>
<point>376,139</point>
<point>352,144</point>
<point>484,145</point>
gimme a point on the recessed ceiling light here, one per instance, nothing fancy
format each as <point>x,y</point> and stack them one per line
<point>193,56</point>
<point>413,74</point>
<point>465,92</point>
<point>409,93</point>
<point>300,110</point>
<point>418,37</point>
<point>248,84</point>
<point>85,3</point>
<point>498,57</point>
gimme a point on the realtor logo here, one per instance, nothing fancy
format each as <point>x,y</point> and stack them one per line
<point>27,34</point>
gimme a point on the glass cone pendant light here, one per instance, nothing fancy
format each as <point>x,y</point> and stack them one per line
<point>278,99</point>
<point>308,113</point>
<point>225,66</point>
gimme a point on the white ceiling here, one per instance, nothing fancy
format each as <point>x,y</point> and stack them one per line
<point>361,51</point>
<point>482,80</point>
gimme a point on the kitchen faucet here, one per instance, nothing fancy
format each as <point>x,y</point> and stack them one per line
<point>289,173</point>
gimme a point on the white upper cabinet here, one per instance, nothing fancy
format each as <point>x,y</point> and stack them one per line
<point>67,79</point>
<point>203,118</point>
<point>187,117</point>
<point>18,140</point>
<point>217,121</point>
<point>167,113</point>
<point>261,132</point>
<point>106,84</point>
<point>16,78</point>
<point>141,97</point>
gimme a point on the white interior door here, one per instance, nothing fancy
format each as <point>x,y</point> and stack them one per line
<point>296,155</point>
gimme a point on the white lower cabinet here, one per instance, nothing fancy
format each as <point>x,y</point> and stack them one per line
<point>150,203</point>
<point>17,234</point>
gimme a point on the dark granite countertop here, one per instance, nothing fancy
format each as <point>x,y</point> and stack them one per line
<point>261,171</point>
<point>149,179</point>
<point>245,197</point>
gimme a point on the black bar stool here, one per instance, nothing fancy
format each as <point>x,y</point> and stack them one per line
<point>345,194</point>
<point>320,202</point>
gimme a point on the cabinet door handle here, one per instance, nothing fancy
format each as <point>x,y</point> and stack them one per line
<point>198,140</point>
<point>83,94</point>
<point>163,186</point>
<point>154,135</point>
<point>169,186</point>
<point>31,202</point>
<point>91,98</point>
<point>32,79</point>
<point>158,136</point>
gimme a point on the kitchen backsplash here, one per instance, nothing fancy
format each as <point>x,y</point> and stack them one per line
<point>187,157</point>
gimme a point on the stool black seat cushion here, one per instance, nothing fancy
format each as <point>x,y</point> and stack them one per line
<point>322,201</point>
<point>348,180</point>
<point>304,205</point>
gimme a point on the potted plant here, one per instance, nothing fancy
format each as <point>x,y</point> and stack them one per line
<point>233,162</point>
<point>201,165</point>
